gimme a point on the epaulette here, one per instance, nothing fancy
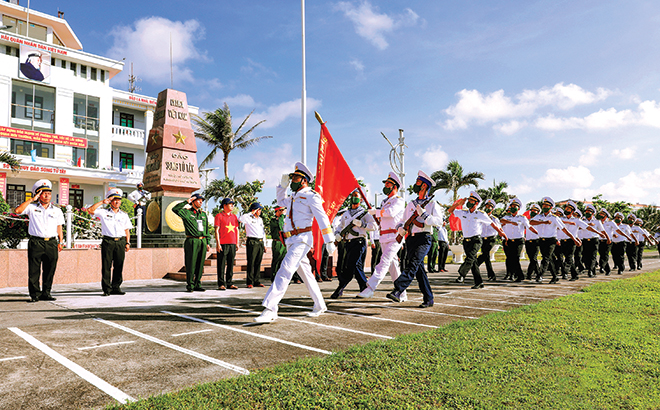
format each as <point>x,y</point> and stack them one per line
<point>482,212</point>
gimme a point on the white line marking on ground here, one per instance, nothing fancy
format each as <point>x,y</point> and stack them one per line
<point>272,339</point>
<point>88,376</point>
<point>192,333</point>
<point>365,316</point>
<point>180,349</point>
<point>12,358</point>
<point>105,345</point>
<point>309,322</point>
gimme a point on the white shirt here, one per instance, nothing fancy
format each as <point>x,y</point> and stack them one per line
<point>442,234</point>
<point>548,230</point>
<point>367,223</point>
<point>43,221</point>
<point>610,228</point>
<point>391,216</point>
<point>573,225</point>
<point>433,212</point>
<point>139,197</point>
<point>472,223</point>
<point>639,233</point>
<point>594,223</point>
<point>488,230</point>
<point>113,224</point>
<point>515,231</point>
<point>625,228</point>
<point>303,207</point>
<point>254,226</point>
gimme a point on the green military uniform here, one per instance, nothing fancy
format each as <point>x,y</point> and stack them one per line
<point>432,257</point>
<point>196,225</point>
<point>279,250</point>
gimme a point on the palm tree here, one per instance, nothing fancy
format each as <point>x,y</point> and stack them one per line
<point>12,161</point>
<point>453,179</point>
<point>215,130</point>
<point>497,192</point>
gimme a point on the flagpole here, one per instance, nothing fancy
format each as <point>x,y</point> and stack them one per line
<point>304,91</point>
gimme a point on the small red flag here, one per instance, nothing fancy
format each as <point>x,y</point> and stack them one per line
<point>79,162</point>
<point>334,182</point>
<point>454,221</point>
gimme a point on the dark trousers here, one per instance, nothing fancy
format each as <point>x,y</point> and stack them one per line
<point>631,253</point>
<point>618,251</point>
<point>324,265</point>
<point>254,249</point>
<point>376,253</point>
<point>532,251</point>
<point>578,258</point>
<point>402,256</point>
<point>486,246</point>
<point>640,253</point>
<point>112,258</point>
<point>589,252</point>
<point>194,250</point>
<point>512,250</point>
<point>417,248</point>
<point>355,251</point>
<point>443,252</point>
<point>42,258</point>
<point>432,256</point>
<point>341,252</point>
<point>226,256</point>
<point>604,255</point>
<point>547,248</point>
<point>471,247</point>
<point>568,250</point>
<point>278,251</point>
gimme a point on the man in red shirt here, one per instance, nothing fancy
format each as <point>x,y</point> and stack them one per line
<point>226,239</point>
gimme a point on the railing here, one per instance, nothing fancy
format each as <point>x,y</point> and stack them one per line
<point>118,130</point>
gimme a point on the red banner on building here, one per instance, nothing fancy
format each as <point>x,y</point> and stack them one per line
<point>43,137</point>
<point>3,185</point>
<point>64,191</point>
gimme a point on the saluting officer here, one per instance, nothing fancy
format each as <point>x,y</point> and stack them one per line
<point>278,249</point>
<point>45,230</point>
<point>472,224</point>
<point>197,242</point>
<point>488,238</point>
<point>254,247</point>
<point>514,227</point>
<point>115,227</point>
<point>304,205</point>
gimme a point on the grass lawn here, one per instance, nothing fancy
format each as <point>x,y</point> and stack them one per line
<point>599,349</point>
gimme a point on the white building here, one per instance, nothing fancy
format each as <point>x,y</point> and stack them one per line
<point>66,124</point>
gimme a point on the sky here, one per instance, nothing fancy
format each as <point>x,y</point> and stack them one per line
<point>557,98</point>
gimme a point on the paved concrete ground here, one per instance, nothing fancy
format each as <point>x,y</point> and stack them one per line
<point>86,351</point>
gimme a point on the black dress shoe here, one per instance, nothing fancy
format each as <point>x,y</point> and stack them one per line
<point>106,294</point>
<point>337,293</point>
<point>117,292</point>
<point>426,305</point>
<point>573,279</point>
<point>33,300</point>
<point>199,289</point>
<point>479,286</point>
<point>394,295</point>
<point>46,297</point>
<point>553,281</point>
<point>189,290</point>
<point>460,279</point>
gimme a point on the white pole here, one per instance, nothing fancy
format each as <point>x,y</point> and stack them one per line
<point>304,91</point>
<point>402,174</point>
<point>138,229</point>
<point>69,215</point>
<point>27,27</point>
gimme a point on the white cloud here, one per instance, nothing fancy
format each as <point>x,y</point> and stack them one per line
<point>372,25</point>
<point>520,189</point>
<point>269,166</point>
<point>357,65</point>
<point>562,96</point>
<point>433,159</point>
<point>571,177</point>
<point>647,114</point>
<point>590,156</point>
<point>634,187</point>
<point>511,127</point>
<point>146,44</point>
<point>276,114</point>
<point>626,153</point>
<point>241,100</point>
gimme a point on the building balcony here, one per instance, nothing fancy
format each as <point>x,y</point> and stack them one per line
<point>128,136</point>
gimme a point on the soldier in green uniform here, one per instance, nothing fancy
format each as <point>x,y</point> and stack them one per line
<point>432,256</point>
<point>196,224</point>
<point>279,250</point>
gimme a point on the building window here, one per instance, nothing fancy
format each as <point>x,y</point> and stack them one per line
<point>32,107</point>
<point>20,27</point>
<point>20,147</point>
<point>83,71</point>
<point>126,120</point>
<point>92,73</point>
<point>57,41</point>
<point>74,68</point>
<point>125,160</point>
<point>86,115</point>
<point>102,76</point>
<point>76,198</point>
<point>62,63</point>
<point>15,195</point>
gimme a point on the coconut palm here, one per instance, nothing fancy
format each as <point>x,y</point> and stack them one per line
<point>453,178</point>
<point>215,128</point>
<point>497,192</point>
<point>12,161</point>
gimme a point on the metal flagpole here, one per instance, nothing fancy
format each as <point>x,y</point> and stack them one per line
<point>304,91</point>
<point>27,26</point>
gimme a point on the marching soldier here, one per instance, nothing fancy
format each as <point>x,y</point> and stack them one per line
<point>578,249</point>
<point>604,247</point>
<point>304,205</point>
<point>45,230</point>
<point>254,247</point>
<point>642,236</point>
<point>472,223</point>
<point>277,248</point>
<point>198,239</point>
<point>115,227</point>
<point>488,238</point>
<point>514,227</point>
<point>590,238</point>
<point>391,215</point>
<point>620,240</point>
<point>532,245</point>
<point>353,228</point>
<point>567,246</point>
<point>424,214</point>
<point>631,247</point>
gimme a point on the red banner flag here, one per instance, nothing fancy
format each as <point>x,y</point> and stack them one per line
<point>455,222</point>
<point>334,182</point>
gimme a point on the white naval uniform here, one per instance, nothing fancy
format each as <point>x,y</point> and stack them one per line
<point>254,226</point>
<point>573,225</point>
<point>391,216</point>
<point>303,207</point>
<point>140,197</point>
<point>43,221</point>
<point>515,231</point>
<point>548,230</point>
<point>113,224</point>
<point>472,223</point>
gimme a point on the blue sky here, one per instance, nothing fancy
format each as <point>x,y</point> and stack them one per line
<point>556,98</point>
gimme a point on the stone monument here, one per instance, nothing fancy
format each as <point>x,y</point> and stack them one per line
<point>171,173</point>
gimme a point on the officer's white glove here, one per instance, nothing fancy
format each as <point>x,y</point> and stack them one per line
<point>420,210</point>
<point>373,211</point>
<point>401,231</point>
<point>356,222</point>
<point>285,180</point>
<point>330,247</point>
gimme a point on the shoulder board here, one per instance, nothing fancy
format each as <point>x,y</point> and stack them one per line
<point>482,212</point>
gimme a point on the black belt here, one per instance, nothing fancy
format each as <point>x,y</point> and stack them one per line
<point>112,238</point>
<point>589,239</point>
<point>567,240</point>
<point>472,238</point>
<point>39,238</point>
<point>516,239</point>
<point>490,237</point>
<point>553,239</point>
<point>356,239</point>
<point>254,239</point>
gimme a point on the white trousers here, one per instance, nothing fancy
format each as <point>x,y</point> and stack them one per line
<point>388,262</point>
<point>294,260</point>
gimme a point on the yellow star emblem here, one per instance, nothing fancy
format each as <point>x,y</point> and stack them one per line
<point>155,136</point>
<point>180,138</point>
<point>230,227</point>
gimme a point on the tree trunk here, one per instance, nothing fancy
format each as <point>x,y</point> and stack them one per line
<point>226,161</point>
